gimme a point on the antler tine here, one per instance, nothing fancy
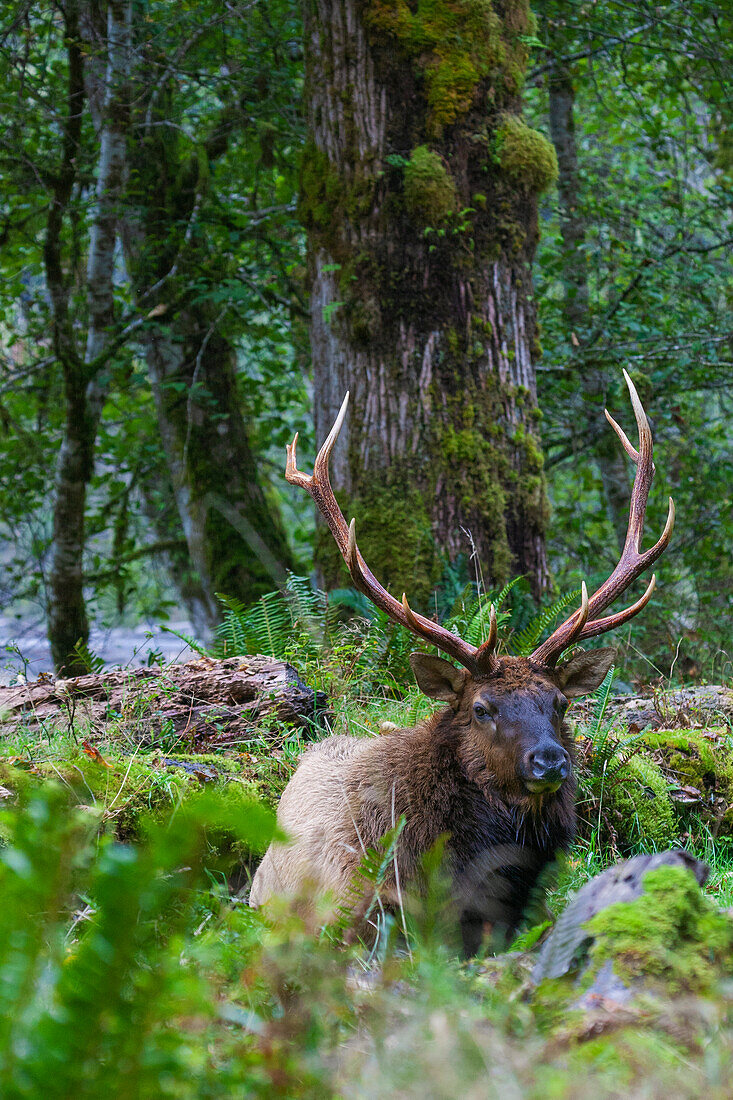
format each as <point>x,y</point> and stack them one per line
<point>485,652</point>
<point>292,473</point>
<point>631,451</point>
<point>319,486</point>
<point>582,614</point>
<point>644,471</point>
<point>610,622</point>
<point>632,562</point>
<point>320,466</point>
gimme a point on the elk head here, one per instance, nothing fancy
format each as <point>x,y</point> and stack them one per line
<point>510,709</point>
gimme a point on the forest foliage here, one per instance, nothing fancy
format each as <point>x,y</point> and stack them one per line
<point>151,163</point>
<point>632,269</point>
<point>130,962</point>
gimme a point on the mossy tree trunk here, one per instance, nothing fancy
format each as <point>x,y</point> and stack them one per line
<point>419,194</point>
<point>235,540</point>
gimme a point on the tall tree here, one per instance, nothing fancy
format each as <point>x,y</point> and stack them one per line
<point>419,195</point>
<point>183,279</point>
<point>85,378</point>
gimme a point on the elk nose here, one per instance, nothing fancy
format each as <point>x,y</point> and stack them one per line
<point>551,764</point>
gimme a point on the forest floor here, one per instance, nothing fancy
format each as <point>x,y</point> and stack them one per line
<point>215,998</point>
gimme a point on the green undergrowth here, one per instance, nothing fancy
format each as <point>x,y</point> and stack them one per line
<point>128,961</point>
<point>125,793</point>
<point>655,789</point>
<point>130,970</point>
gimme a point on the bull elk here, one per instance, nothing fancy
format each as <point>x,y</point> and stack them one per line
<point>492,771</point>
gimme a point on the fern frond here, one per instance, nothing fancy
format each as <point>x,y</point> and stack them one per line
<point>472,621</point>
<point>265,627</point>
<point>370,874</point>
<point>499,598</point>
<point>354,600</point>
<point>308,610</point>
<point>86,659</point>
<point>187,639</point>
<point>601,695</point>
<point>522,643</point>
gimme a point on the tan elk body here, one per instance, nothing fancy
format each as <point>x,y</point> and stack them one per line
<point>492,772</point>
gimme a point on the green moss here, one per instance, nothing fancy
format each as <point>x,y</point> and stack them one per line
<point>456,46</point>
<point>525,155</point>
<point>672,932</point>
<point>619,1061</point>
<point>327,198</point>
<point>393,528</point>
<point>640,807</point>
<point>430,193</point>
<point>128,791</point>
<point>702,759</point>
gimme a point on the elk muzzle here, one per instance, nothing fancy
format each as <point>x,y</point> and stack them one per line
<point>545,768</point>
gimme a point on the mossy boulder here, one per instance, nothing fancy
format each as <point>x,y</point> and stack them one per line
<point>638,805</point>
<point>673,933</point>
<point>526,157</point>
<point>638,933</point>
<point>430,193</point>
<point>697,761</point>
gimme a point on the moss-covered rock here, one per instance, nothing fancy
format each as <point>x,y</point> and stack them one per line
<point>703,761</point>
<point>525,155</point>
<point>430,193</point>
<point>639,807</point>
<point>127,792</point>
<point>672,933</point>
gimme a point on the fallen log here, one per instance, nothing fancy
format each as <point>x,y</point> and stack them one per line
<point>672,708</point>
<point>200,701</point>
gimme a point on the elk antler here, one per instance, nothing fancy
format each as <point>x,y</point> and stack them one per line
<point>583,624</point>
<point>476,659</point>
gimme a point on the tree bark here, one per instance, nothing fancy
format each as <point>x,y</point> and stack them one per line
<point>236,543</point>
<point>83,383</point>
<point>593,379</point>
<point>419,188</point>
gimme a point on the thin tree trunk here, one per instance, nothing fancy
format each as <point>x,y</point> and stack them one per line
<point>84,391</point>
<point>161,509</point>
<point>420,205</point>
<point>236,544</point>
<point>592,378</point>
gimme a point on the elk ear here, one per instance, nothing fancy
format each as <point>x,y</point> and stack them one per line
<point>585,671</point>
<point>438,679</point>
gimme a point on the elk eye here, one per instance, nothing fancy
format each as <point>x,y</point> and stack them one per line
<point>561,705</point>
<point>480,712</point>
